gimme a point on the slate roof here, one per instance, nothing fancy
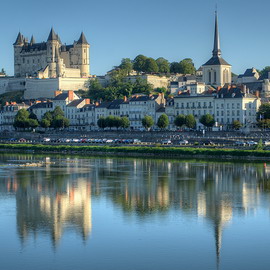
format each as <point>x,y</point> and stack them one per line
<point>19,39</point>
<point>248,73</point>
<point>36,46</point>
<point>143,98</point>
<point>75,102</point>
<point>115,104</point>
<point>160,110</point>
<point>62,96</point>
<point>234,92</point>
<point>41,105</point>
<point>52,36</point>
<point>82,39</point>
<point>216,61</point>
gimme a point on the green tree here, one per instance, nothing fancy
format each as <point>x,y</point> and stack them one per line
<point>45,123</point>
<point>57,112</point>
<point>32,116</point>
<point>101,122</point>
<point>190,121</point>
<point>236,124</point>
<point>207,120</point>
<point>264,111</point>
<point>163,121</point>
<point>151,66</point>
<point>139,63</point>
<point>180,120</point>
<point>3,71</point>
<point>117,122</point>
<point>163,65</point>
<point>175,67</point>
<point>264,72</point>
<point>265,123</point>
<point>142,86</point>
<point>60,122</point>
<point>147,122</point>
<point>110,121</point>
<point>259,146</point>
<point>187,66</point>
<point>22,119</point>
<point>33,123</point>
<point>126,65</point>
<point>125,123</point>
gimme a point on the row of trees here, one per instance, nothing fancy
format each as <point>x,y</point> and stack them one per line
<point>146,64</point>
<point>113,121</point>
<point>55,119</point>
<point>117,88</point>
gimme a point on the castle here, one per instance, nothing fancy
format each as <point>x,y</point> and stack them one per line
<point>51,59</point>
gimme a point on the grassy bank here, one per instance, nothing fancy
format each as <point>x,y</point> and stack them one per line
<point>140,151</point>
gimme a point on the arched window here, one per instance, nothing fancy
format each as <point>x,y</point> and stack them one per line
<point>209,76</point>
<point>215,76</point>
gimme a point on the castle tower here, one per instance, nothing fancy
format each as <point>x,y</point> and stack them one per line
<point>17,50</point>
<point>52,46</point>
<point>82,47</point>
<point>217,71</point>
<point>59,70</point>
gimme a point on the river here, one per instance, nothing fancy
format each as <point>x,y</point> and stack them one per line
<point>77,213</point>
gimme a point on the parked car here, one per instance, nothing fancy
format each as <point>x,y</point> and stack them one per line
<point>240,143</point>
<point>109,141</point>
<point>46,139</point>
<point>183,142</point>
<point>22,140</point>
<point>251,143</point>
<point>209,143</point>
<point>166,142</point>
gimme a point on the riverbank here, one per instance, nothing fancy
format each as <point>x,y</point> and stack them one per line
<point>141,151</point>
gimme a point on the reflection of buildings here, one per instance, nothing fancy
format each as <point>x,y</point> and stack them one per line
<point>49,202</point>
<point>51,209</point>
<point>52,199</point>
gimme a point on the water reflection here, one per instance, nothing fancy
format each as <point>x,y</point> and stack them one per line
<point>58,196</point>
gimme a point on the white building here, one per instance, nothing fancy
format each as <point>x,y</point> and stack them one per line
<point>8,114</point>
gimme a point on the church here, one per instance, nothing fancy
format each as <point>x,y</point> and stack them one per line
<point>216,71</point>
<point>51,59</point>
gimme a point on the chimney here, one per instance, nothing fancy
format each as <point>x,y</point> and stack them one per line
<point>96,103</point>
<point>87,101</point>
<point>70,95</point>
<point>57,93</point>
<point>229,87</point>
<point>125,99</point>
<point>218,88</point>
<point>7,103</point>
<point>257,94</point>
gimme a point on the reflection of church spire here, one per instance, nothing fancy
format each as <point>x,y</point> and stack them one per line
<point>218,240</point>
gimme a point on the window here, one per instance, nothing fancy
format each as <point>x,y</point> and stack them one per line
<point>209,77</point>
<point>215,77</point>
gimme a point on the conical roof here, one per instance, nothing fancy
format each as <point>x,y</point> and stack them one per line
<point>82,39</point>
<point>32,41</point>
<point>216,49</point>
<point>52,36</point>
<point>19,40</point>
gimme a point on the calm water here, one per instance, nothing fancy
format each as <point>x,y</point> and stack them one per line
<point>119,214</point>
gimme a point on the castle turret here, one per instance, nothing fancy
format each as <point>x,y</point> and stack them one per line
<point>58,60</point>
<point>17,50</point>
<point>32,41</point>
<point>83,49</point>
<point>52,45</point>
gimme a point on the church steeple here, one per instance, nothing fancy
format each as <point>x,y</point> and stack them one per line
<point>216,50</point>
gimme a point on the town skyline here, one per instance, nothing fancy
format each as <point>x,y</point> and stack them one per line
<point>182,41</point>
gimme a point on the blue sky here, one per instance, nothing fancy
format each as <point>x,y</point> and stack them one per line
<point>173,29</point>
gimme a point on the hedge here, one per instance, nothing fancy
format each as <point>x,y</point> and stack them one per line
<point>164,151</point>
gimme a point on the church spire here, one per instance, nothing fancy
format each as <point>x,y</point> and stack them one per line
<point>216,50</point>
